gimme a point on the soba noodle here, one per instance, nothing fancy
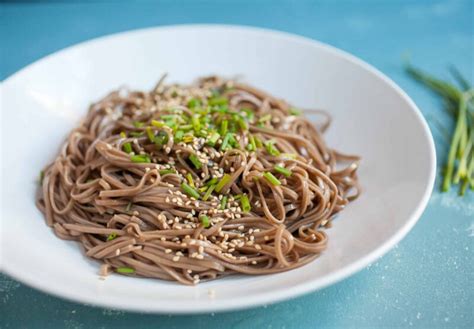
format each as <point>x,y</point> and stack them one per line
<point>192,183</point>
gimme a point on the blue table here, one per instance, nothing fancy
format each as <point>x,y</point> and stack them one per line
<point>425,281</point>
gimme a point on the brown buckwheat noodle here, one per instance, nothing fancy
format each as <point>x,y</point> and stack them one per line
<point>192,183</point>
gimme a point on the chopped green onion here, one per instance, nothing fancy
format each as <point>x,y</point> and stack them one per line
<point>178,136</point>
<point>195,160</point>
<point>225,141</point>
<point>188,138</point>
<point>205,221</point>
<point>127,147</point>
<point>294,111</point>
<point>283,170</point>
<point>138,124</point>
<point>217,101</point>
<point>265,118</point>
<point>248,113</point>
<point>140,158</point>
<point>158,124</point>
<point>189,177</point>
<point>243,125</point>
<point>136,133</point>
<point>167,172</point>
<point>186,127</point>
<point>223,182</point>
<point>288,156</point>
<point>194,102</point>
<point>213,139</point>
<point>209,192</point>
<point>258,142</point>
<point>41,177</point>
<point>196,123</point>
<point>245,203</point>
<point>150,134</point>
<point>233,142</point>
<point>203,189</point>
<point>111,236</point>
<point>212,181</point>
<point>224,125</point>
<point>161,139</point>
<point>126,270</point>
<point>272,179</point>
<point>190,191</point>
<point>224,202</point>
<point>169,117</point>
<point>128,207</point>
<point>252,146</point>
<point>271,149</point>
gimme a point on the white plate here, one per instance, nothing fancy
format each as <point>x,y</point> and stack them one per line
<point>372,117</point>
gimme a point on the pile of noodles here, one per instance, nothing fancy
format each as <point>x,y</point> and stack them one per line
<point>118,190</point>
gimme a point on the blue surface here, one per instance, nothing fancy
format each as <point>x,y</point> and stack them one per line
<point>426,281</point>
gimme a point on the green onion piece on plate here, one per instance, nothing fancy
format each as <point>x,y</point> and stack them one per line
<point>245,203</point>
<point>125,270</point>
<point>140,158</point>
<point>272,179</point>
<point>205,221</point>
<point>190,191</point>
<point>223,182</point>
<point>283,171</point>
<point>195,160</point>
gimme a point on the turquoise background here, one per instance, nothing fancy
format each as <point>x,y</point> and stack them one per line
<point>427,280</point>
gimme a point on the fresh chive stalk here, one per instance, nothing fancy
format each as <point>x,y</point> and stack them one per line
<point>245,203</point>
<point>272,179</point>
<point>283,171</point>
<point>461,150</point>
<point>190,191</point>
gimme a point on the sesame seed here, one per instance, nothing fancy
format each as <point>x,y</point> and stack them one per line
<point>168,251</point>
<point>175,258</point>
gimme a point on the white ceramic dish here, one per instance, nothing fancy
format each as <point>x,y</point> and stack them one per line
<point>372,117</point>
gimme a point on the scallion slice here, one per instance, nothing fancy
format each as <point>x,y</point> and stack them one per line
<point>245,203</point>
<point>283,171</point>
<point>205,221</point>
<point>190,191</point>
<point>223,182</point>
<point>140,158</point>
<point>208,192</point>
<point>195,160</point>
<point>272,179</point>
<point>125,270</point>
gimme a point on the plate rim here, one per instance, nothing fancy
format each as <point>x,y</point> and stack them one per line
<point>266,297</point>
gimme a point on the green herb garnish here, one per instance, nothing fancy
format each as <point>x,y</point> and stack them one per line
<point>190,191</point>
<point>111,236</point>
<point>205,221</point>
<point>272,179</point>
<point>125,270</point>
<point>140,158</point>
<point>223,182</point>
<point>283,171</point>
<point>245,203</point>
<point>195,161</point>
<point>460,101</point>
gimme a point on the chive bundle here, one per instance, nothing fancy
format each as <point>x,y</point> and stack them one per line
<point>460,103</point>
